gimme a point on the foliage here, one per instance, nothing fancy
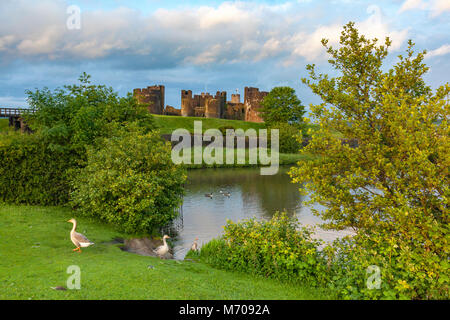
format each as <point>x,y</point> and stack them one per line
<point>73,117</point>
<point>130,181</point>
<point>31,172</point>
<point>290,137</point>
<point>37,169</point>
<point>277,248</point>
<point>392,189</point>
<point>282,105</point>
<point>4,124</point>
<point>32,263</point>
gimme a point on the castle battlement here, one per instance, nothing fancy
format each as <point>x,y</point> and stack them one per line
<point>153,97</point>
<point>205,104</point>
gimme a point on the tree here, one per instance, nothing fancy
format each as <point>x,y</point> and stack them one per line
<point>130,181</point>
<point>392,189</point>
<point>37,168</point>
<point>75,116</point>
<point>282,105</point>
<point>290,137</point>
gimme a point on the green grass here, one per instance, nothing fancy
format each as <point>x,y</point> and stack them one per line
<point>4,124</point>
<point>284,160</point>
<point>167,124</point>
<point>35,252</point>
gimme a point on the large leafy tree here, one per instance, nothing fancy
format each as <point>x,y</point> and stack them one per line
<point>282,105</point>
<point>74,116</point>
<point>130,181</point>
<point>38,168</point>
<point>392,189</point>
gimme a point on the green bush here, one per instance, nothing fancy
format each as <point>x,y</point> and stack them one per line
<point>130,182</point>
<point>277,248</point>
<point>405,272</point>
<point>392,189</point>
<point>35,169</point>
<point>282,105</point>
<point>75,116</point>
<point>31,172</point>
<point>289,137</point>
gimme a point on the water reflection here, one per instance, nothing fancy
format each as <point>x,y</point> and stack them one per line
<point>251,195</point>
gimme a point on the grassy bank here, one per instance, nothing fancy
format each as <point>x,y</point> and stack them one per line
<point>284,160</point>
<point>167,124</point>
<point>4,123</point>
<point>35,252</point>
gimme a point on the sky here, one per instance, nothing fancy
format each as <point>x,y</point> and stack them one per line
<point>203,46</point>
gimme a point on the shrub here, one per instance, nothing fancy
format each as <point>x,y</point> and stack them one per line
<point>31,172</point>
<point>289,137</point>
<point>282,105</point>
<point>75,116</point>
<point>392,188</point>
<point>277,248</point>
<point>130,182</point>
<point>404,271</point>
<point>36,168</point>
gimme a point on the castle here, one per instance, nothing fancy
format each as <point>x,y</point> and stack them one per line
<point>205,105</point>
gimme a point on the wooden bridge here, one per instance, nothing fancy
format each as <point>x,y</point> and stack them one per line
<point>15,117</point>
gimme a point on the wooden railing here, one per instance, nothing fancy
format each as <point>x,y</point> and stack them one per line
<point>13,112</point>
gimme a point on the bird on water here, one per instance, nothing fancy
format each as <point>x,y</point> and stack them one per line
<point>194,246</point>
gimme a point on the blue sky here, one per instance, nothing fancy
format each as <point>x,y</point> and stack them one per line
<point>201,45</point>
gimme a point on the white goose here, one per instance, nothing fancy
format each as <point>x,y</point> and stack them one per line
<point>162,250</point>
<point>194,246</point>
<point>78,239</point>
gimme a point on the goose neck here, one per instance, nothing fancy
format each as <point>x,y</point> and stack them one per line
<point>74,226</point>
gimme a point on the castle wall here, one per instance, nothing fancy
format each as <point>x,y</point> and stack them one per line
<point>235,98</point>
<point>215,107</point>
<point>212,108</point>
<point>234,111</point>
<point>153,97</point>
<point>187,104</point>
<point>252,101</point>
<point>204,104</point>
<point>171,111</point>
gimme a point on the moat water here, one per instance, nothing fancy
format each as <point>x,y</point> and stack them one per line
<point>250,195</point>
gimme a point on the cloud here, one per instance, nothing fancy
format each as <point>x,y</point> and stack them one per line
<point>308,45</point>
<point>439,6</point>
<point>412,4</point>
<point>442,50</point>
<point>229,33</point>
<point>436,7</point>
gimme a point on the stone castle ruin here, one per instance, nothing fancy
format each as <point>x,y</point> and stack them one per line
<point>205,105</point>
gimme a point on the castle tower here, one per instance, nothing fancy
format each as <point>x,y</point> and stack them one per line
<point>213,108</point>
<point>152,97</point>
<point>187,104</point>
<point>252,102</point>
<point>236,98</point>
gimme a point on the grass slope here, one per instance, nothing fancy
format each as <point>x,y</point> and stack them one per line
<point>4,124</point>
<point>35,252</point>
<point>167,124</point>
<point>283,160</point>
